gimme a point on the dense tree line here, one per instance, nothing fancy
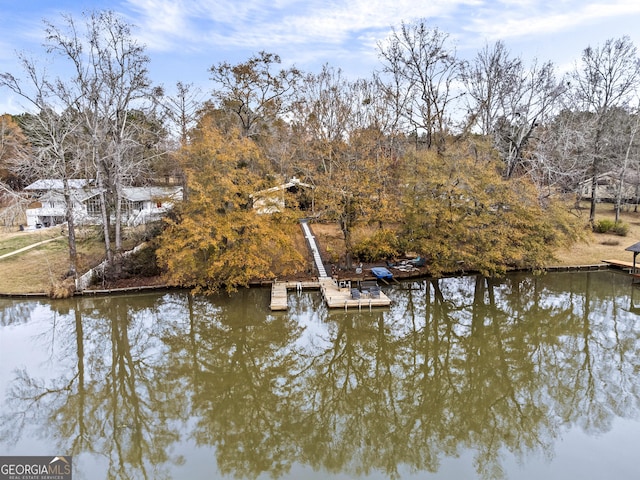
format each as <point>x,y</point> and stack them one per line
<point>468,162</point>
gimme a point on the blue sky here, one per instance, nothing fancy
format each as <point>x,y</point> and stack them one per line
<point>185,37</point>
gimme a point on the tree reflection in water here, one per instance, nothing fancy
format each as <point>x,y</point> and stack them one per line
<point>110,401</point>
<point>466,364</point>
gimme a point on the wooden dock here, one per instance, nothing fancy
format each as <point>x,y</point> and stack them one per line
<point>279,292</point>
<point>334,294</point>
<point>338,296</point>
<point>279,296</point>
<point>629,267</point>
<point>620,263</point>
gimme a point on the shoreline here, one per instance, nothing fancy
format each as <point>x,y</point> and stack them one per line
<point>89,292</point>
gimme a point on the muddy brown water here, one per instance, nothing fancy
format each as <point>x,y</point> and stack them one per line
<point>526,377</point>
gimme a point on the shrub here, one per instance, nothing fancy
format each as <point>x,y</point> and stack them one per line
<point>621,229</point>
<point>604,225</point>
<point>332,255</point>
<point>143,263</point>
<point>609,226</point>
<point>382,245</point>
<point>62,289</point>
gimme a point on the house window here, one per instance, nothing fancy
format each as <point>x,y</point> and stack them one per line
<point>93,206</point>
<point>129,206</point>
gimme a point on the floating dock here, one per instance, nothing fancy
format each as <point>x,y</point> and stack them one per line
<point>339,296</point>
<point>336,295</point>
<point>279,292</point>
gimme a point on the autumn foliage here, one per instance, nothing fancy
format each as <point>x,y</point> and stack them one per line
<point>217,240</point>
<point>461,213</point>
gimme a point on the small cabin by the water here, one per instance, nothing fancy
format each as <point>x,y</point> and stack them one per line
<point>611,184</point>
<point>293,193</point>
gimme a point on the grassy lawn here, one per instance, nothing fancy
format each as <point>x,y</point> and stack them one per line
<point>601,246</point>
<point>12,241</point>
<point>37,270</point>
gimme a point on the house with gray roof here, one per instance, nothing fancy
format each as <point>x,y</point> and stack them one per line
<point>140,204</point>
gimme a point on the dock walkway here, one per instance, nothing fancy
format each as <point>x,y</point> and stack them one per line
<point>322,273</point>
<point>336,295</point>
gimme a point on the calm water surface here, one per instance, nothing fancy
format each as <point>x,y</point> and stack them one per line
<point>523,378</point>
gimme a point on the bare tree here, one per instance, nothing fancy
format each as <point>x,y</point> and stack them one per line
<point>108,81</point>
<point>423,68</point>
<point>559,159</point>
<point>343,132</point>
<point>528,102</point>
<point>182,109</point>
<point>253,91</point>
<point>508,100</point>
<point>59,148</point>
<point>488,79</point>
<point>53,137</point>
<point>328,107</point>
<point>627,159</point>
<point>103,79</point>
<point>605,79</point>
<point>14,150</point>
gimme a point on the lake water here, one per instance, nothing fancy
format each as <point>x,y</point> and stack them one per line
<point>527,377</point>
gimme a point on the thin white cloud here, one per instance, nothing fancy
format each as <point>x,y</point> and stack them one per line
<point>544,18</point>
<point>256,23</point>
<point>310,32</point>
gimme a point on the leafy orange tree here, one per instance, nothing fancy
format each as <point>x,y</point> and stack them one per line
<point>217,240</point>
<point>462,214</point>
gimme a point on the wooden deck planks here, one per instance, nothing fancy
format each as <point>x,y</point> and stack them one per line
<point>337,297</point>
<point>621,263</point>
<point>333,294</point>
<point>279,296</point>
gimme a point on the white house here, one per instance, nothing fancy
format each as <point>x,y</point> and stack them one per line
<point>273,199</point>
<point>608,186</point>
<point>140,204</point>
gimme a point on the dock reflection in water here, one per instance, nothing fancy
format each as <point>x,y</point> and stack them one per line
<point>484,377</point>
